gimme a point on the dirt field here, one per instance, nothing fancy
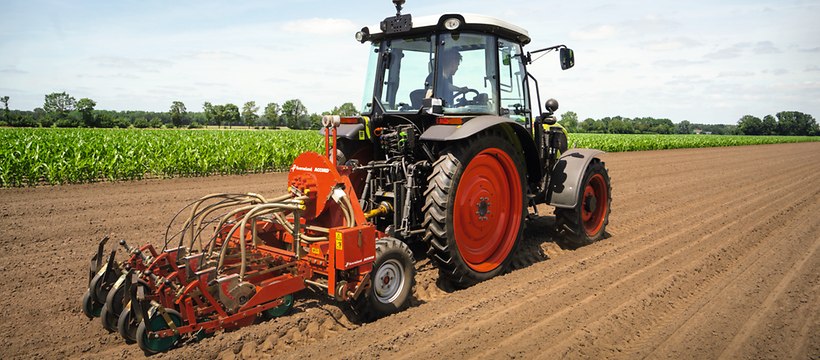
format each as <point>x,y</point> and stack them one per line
<point>713,253</point>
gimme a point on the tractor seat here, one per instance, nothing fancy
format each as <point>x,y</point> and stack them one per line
<point>416,97</point>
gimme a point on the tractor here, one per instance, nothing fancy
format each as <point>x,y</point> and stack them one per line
<point>447,156</point>
<point>450,152</point>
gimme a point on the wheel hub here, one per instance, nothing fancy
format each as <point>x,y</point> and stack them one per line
<point>590,203</point>
<point>390,281</point>
<point>483,208</point>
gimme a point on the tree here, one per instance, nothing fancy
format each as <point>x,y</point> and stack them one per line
<point>249,113</point>
<point>769,125</point>
<point>346,109</point>
<point>293,111</point>
<point>618,126</point>
<point>141,123</point>
<point>587,125</point>
<point>178,113</point>
<point>59,103</point>
<point>796,123</point>
<point>230,114</point>
<point>208,109</point>
<point>86,108</point>
<point>750,125</point>
<point>315,122</point>
<point>569,120</point>
<point>5,100</point>
<point>685,127</point>
<point>272,114</point>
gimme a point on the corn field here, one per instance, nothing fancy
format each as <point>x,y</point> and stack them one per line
<point>58,156</point>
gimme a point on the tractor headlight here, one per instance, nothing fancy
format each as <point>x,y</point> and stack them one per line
<point>363,35</point>
<point>452,24</point>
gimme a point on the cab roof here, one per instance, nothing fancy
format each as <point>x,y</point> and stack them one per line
<point>469,22</point>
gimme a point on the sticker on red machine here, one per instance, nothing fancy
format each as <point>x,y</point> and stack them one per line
<point>309,169</point>
<point>357,262</point>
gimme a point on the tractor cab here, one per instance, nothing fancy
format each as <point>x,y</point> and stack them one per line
<point>459,65</point>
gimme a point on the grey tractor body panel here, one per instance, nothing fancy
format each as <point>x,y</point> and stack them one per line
<point>567,176</point>
<point>481,123</point>
<point>347,131</point>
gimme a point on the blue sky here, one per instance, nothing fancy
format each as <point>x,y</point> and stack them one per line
<point>702,61</point>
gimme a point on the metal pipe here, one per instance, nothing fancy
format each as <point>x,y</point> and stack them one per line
<point>314,283</point>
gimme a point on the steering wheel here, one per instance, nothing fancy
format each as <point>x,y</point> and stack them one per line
<point>460,97</point>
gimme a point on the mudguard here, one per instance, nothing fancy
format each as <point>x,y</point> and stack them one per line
<point>471,127</point>
<point>481,123</point>
<point>567,175</point>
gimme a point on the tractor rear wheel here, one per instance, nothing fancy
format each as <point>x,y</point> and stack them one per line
<point>391,281</point>
<point>586,222</point>
<point>474,208</point>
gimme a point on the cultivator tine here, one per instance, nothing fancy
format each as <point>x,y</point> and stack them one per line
<point>132,291</point>
<point>168,320</point>
<point>96,260</point>
<point>138,306</point>
<point>108,278</point>
<point>127,278</point>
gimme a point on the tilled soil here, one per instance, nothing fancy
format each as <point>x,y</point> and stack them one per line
<point>712,253</point>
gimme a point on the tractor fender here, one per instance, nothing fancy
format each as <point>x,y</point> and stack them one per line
<point>567,175</point>
<point>348,131</point>
<point>476,125</point>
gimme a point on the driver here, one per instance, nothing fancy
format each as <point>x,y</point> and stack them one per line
<point>450,59</point>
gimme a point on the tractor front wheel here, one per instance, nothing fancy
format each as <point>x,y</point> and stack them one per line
<point>586,222</point>
<point>474,208</point>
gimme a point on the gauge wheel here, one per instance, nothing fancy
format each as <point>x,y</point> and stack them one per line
<point>283,309</point>
<point>156,322</point>
<point>391,281</point>
<point>91,308</point>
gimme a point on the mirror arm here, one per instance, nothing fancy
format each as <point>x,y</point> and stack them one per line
<point>529,53</point>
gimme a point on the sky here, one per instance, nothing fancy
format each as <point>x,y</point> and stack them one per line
<point>703,61</point>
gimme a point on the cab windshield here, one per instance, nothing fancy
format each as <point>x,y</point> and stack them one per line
<point>461,69</point>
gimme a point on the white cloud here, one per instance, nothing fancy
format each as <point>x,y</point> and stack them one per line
<point>320,26</point>
<point>677,62</point>
<point>724,74</point>
<point>216,55</point>
<point>595,32</point>
<point>667,44</point>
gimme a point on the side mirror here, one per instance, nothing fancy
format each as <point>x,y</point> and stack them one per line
<point>567,58</point>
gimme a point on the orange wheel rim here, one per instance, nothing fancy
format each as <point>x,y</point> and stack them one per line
<point>594,204</point>
<point>487,210</point>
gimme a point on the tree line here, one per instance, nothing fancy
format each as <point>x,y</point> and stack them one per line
<point>783,123</point>
<point>63,110</point>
